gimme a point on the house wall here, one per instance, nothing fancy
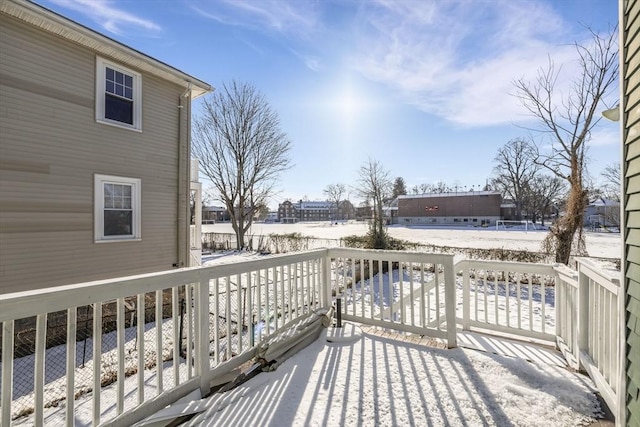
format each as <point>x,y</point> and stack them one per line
<point>52,146</point>
<point>630,52</point>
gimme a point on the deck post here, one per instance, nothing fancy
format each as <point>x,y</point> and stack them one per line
<point>583,315</point>
<point>202,335</point>
<point>326,280</point>
<point>450,302</point>
<point>466,291</point>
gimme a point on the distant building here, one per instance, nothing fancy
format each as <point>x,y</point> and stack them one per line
<point>364,213</point>
<point>473,208</point>
<point>272,216</point>
<point>213,214</point>
<point>602,213</point>
<point>289,212</point>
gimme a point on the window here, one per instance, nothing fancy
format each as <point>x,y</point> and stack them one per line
<point>117,208</point>
<point>118,95</point>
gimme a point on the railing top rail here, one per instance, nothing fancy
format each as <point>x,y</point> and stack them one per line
<point>222,270</point>
<point>597,273</point>
<point>390,255</point>
<point>19,305</point>
<point>521,267</point>
<point>567,275</point>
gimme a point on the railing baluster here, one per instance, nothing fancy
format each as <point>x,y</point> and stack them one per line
<point>248,312</point>
<point>227,314</point>
<point>412,308</point>
<point>177,344</point>
<point>272,311</point>
<point>97,360</point>
<point>7,371</point>
<point>240,313</point>
<point>216,319</point>
<point>362,294</point>
<point>485,280</point>
<point>159,362</point>
<point>381,285</point>
<point>290,291</point>
<point>543,299</point>
<point>71,365</point>
<point>371,284</point>
<point>438,288</point>
<point>259,310</point>
<point>495,297</point>
<point>530,302</point>
<point>403,311</point>
<point>507,291</point>
<point>188,322</point>
<point>140,345</point>
<point>519,299</point>
<point>281,310</point>
<point>423,320</point>
<point>40,357</point>
<point>120,354</point>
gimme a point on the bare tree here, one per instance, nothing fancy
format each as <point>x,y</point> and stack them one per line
<point>542,193</point>
<point>242,150</point>
<point>440,187</point>
<point>374,184</point>
<point>425,188</point>
<point>611,175</point>
<point>567,119</point>
<point>334,193</point>
<point>514,170</point>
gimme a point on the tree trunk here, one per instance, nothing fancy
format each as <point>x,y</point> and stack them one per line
<point>565,229</point>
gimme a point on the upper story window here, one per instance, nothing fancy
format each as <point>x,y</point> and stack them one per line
<point>117,208</point>
<point>118,95</point>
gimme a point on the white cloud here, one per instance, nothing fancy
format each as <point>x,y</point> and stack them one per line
<point>457,60</point>
<point>606,135</point>
<point>105,13</point>
<point>298,18</point>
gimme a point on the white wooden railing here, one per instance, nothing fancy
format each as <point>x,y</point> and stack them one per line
<point>587,325</point>
<point>405,291</point>
<point>509,297</point>
<point>156,356</point>
<point>215,317</point>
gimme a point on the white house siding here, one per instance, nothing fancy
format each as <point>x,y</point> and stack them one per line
<point>630,52</point>
<point>51,147</point>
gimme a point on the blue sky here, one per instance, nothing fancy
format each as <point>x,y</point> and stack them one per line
<point>425,87</point>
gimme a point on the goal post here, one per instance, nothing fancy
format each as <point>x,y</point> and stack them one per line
<point>511,225</point>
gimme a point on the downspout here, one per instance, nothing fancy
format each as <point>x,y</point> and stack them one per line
<point>183,183</point>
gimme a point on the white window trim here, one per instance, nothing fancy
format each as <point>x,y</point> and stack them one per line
<point>136,191</point>
<point>101,65</point>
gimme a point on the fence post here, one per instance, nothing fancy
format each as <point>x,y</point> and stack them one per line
<point>202,336</point>
<point>583,315</point>
<point>450,302</point>
<point>466,297</point>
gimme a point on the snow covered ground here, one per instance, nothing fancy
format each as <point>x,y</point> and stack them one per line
<point>379,381</point>
<point>606,245</point>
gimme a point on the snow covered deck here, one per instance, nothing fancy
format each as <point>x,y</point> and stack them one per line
<point>389,379</point>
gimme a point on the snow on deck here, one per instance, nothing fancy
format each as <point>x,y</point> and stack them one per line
<point>389,381</point>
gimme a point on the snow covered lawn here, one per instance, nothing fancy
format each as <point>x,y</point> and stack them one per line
<point>605,245</point>
<point>379,381</point>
